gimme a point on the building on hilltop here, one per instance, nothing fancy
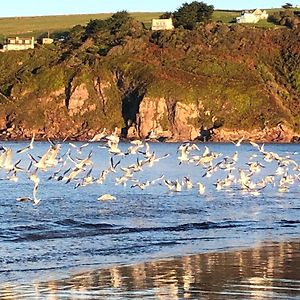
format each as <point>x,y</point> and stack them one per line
<point>162,24</point>
<point>47,41</point>
<point>252,16</point>
<point>19,43</point>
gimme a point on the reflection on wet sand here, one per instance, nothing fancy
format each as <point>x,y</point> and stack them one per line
<point>269,271</point>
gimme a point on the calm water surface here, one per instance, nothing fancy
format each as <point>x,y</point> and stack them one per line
<point>74,246</point>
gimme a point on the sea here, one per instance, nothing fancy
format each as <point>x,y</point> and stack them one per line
<point>157,238</point>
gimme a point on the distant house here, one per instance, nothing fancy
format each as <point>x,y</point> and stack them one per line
<point>19,43</point>
<point>162,24</point>
<point>47,41</point>
<point>252,16</point>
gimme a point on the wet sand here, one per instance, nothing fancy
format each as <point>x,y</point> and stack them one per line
<point>267,271</point>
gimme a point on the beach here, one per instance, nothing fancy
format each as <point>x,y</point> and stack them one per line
<point>269,270</point>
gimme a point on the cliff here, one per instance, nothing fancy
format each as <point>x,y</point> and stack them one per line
<point>231,81</point>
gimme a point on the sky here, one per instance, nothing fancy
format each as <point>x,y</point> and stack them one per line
<point>13,8</point>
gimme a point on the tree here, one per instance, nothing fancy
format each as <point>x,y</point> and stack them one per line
<point>287,5</point>
<point>95,25</point>
<point>188,15</point>
<point>166,15</point>
<point>118,19</point>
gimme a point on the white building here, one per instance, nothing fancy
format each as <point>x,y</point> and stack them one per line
<point>16,43</point>
<point>162,24</point>
<point>47,41</point>
<point>252,16</point>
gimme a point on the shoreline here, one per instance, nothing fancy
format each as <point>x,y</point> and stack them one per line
<point>268,268</point>
<point>279,134</point>
<point>213,141</point>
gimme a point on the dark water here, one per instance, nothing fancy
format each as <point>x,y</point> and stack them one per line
<point>72,245</point>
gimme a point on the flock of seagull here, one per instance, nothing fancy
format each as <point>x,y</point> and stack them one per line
<point>77,167</point>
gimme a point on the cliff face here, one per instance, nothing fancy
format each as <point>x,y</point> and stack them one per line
<point>229,81</point>
<point>167,119</point>
<point>171,120</point>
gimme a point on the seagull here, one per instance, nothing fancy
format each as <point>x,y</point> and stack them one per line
<point>122,180</point>
<point>174,186</point>
<point>187,182</point>
<point>82,161</point>
<point>136,145</point>
<point>147,153</point>
<point>102,177</point>
<point>30,146</point>
<point>34,178</point>
<point>143,185</point>
<point>13,177</point>
<point>34,200</point>
<point>28,199</point>
<point>78,149</point>
<point>86,180</point>
<point>151,135</point>
<point>210,171</point>
<point>184,153</point>
<point>76,171</point>
<point>113,166</point>
<point>106,197</point>
<point>15,168</point>
<point>7,163</point>
<point>219,184</point>
<point>113,148</point>
<point>138,166</point>
<point>255,167</point>
<point>201,188</point>
<point>99,136</point>
<point>42,163</point>
<point>259,148</point>
<point>152,159</point>
<point>239,142</point>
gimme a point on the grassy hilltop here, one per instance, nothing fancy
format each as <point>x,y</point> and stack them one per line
<point>248,77</point>
<point>26,26</point>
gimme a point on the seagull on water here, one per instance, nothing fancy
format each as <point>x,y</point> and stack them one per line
<point>106,197</point>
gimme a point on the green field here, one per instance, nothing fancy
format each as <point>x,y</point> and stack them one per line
<point>225,16</point>
<point>35,26</point>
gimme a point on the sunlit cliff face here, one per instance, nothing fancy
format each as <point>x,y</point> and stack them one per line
<point>264,271</point>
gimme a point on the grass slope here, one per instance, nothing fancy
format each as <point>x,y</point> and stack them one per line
<point>24,26</point>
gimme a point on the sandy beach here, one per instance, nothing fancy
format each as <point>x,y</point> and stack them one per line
<point>268,271</point>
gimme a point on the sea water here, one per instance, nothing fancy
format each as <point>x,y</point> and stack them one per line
<point>70,236</point>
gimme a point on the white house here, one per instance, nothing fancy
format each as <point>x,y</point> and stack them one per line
<point>47,41</point>
<point>162,24</point>
<point>252,16</point>
<point>19,43</point>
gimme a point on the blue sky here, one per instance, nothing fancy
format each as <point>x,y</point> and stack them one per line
<point>11,8</point>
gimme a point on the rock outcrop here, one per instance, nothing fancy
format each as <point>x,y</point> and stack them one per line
<point>175,121</point>
<point>280,133</point>
<point>77,100</point>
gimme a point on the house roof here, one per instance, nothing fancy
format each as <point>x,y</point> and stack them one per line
<point>19,38</point>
